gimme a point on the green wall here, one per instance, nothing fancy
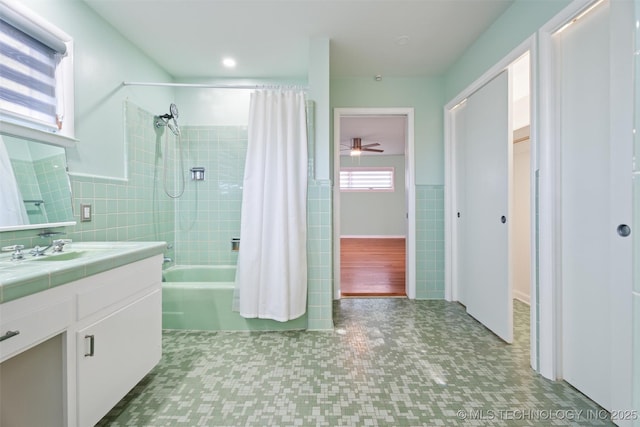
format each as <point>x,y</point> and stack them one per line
<point>423,94</point>
<point>512,28</point>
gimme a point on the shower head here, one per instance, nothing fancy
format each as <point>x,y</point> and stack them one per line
<point>163,120</point>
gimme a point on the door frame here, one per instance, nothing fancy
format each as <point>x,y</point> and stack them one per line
<point>450,225</point>
<point>410,196</point>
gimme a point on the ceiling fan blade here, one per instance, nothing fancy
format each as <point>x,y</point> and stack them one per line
<point>373,144</point>
<point>372,149</point>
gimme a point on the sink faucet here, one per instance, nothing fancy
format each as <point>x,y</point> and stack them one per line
<point>56,244</point>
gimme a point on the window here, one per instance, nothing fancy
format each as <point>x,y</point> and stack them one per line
<point>36,73</point>
<point>367,179</point>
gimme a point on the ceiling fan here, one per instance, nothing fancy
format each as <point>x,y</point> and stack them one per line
<point>356,148</point>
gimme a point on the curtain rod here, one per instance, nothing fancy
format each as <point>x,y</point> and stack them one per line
<point>216,86</point>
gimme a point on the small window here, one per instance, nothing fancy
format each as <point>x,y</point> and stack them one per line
<point>367,179</point>
<point>35,72</point>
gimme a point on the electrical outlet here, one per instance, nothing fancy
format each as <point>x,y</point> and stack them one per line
<point>85,213</point>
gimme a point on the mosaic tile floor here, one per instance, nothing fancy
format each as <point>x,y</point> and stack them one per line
<point>389,362</point>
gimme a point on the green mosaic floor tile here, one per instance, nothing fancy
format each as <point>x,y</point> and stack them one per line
<point>388,362</point>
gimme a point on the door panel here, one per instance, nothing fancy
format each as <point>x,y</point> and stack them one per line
<point>484,226</point>
<point>583,62</point>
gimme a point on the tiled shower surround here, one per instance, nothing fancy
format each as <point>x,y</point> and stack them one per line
<point>208,213</point>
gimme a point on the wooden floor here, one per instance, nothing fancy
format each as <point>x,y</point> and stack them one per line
<point>372,267</point>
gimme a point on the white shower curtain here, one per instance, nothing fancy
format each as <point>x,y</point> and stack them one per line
<point>271,276</point>
<point>12,210</point>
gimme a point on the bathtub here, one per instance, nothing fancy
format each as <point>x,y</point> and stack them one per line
<point>196,297</point>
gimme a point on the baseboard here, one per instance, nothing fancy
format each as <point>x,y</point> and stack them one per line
<point>371,236</point>
<point>521,296</point>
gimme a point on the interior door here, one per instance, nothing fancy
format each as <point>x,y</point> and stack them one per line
<point>483,151</point>
<point>595,187</point>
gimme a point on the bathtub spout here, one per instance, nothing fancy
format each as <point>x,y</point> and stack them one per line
<point>166,260</point>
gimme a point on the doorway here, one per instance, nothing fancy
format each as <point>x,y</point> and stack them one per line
<point>490,196</point>
<point>374,214</point>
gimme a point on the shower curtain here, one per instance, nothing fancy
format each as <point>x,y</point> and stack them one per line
<point>271,275</point>
<point>12,211</point>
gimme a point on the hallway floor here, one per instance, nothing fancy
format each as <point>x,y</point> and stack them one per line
<point>372,267</point>
<point>389,362</point>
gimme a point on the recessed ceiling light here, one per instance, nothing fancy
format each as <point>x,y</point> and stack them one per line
<point>229,62</point>
<point>402,40</point>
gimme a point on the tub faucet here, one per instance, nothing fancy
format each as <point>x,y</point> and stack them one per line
<point>166,260</point>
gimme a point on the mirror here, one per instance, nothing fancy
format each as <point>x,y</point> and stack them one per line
<point>35,191</point>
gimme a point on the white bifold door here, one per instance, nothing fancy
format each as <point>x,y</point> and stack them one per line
<point>482,136</point>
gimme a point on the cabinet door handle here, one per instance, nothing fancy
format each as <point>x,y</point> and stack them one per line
<point>8,335</point>
<point>91,345</point>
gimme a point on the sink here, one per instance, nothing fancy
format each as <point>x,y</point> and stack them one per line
<point>64,256</point>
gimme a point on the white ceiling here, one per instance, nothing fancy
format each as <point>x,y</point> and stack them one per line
<point>270,38</point>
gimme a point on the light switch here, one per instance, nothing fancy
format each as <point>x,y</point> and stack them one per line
<point>85,213</point>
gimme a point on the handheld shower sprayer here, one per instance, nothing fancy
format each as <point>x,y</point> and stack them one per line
<point>163,120</point>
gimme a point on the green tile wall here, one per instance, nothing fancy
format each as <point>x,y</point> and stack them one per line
<point>135,209</point>
<point>319,255</point>
<point>208,213</point>
<point>430,242</point>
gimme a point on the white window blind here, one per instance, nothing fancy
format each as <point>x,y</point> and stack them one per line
<point>367,179</point>
<point>29,87</point>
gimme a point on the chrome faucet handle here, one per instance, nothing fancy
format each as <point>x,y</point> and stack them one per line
<point>17,251</point>
<point>59,244</point>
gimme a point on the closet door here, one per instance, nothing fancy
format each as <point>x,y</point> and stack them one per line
<point>596,198</point>
<point>484,222</point>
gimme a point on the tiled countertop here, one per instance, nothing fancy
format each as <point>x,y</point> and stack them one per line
<point>30,275</point>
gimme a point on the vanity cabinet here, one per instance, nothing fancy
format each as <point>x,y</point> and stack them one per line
<point>108,335</point>
<point>114,354</point>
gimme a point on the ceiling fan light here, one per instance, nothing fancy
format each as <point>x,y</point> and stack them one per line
<point>355,152</point>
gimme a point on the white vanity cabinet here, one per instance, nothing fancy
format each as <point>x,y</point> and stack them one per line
<point>119,336</point>
<point>109,336</point>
